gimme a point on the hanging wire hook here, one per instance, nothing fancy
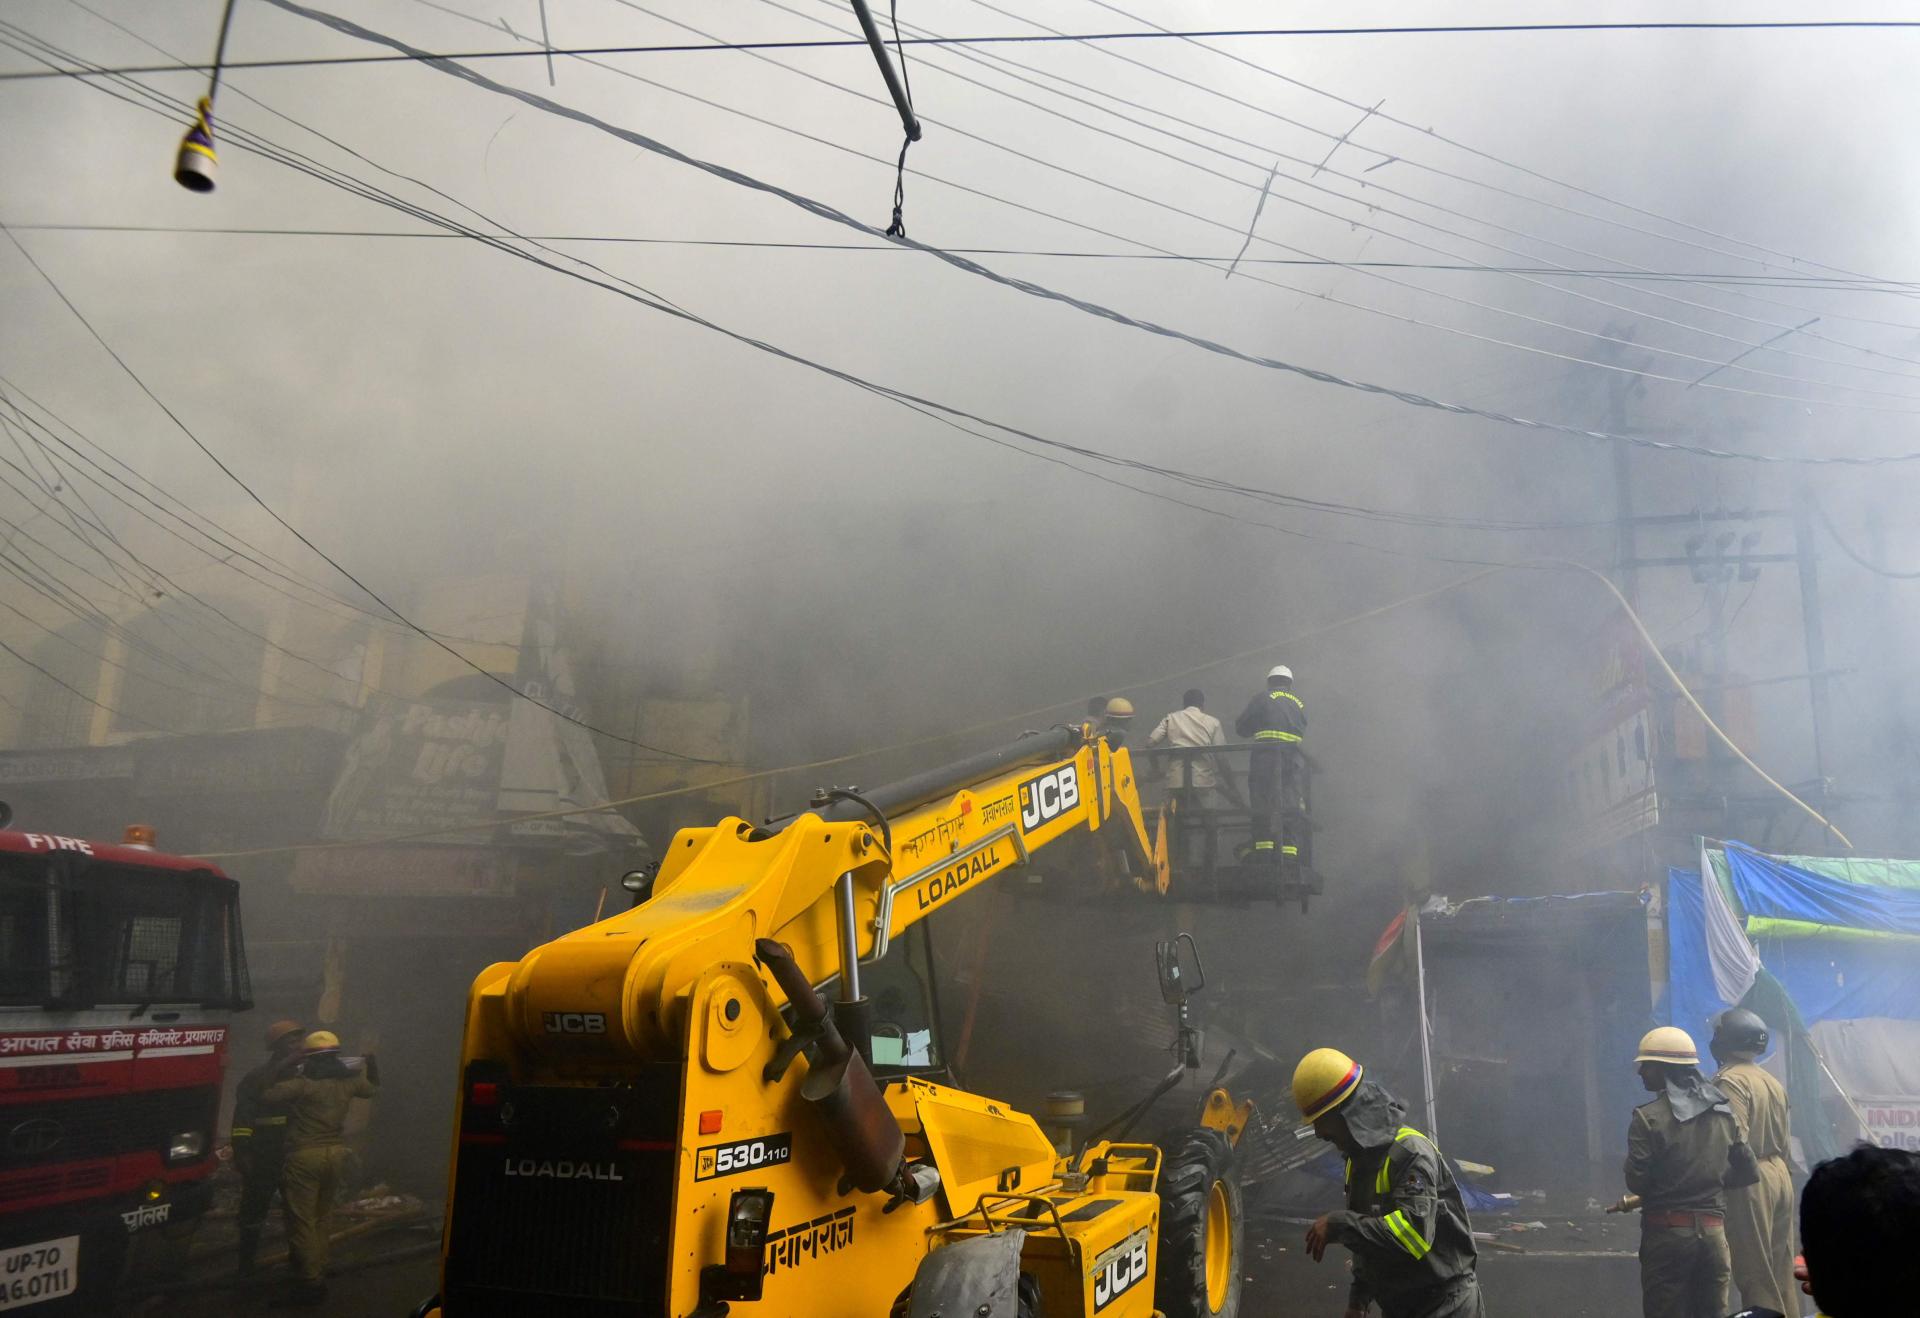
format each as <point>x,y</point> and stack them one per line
<point>900,87</point>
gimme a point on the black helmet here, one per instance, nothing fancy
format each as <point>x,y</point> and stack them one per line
<point>1737,1030</point>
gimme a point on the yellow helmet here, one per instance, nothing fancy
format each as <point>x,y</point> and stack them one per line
<point>1119,707</point>
<point>1324,1080</point>
<point>1670,1044</point>
<point>320,1041</point>
<point>279,1030</point>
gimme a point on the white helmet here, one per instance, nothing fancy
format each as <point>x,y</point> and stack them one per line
<point>1280,670</point>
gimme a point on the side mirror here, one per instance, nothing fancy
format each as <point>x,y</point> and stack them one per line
<point>1181,973</point>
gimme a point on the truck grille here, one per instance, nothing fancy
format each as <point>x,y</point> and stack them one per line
<point>564,1207</point>
<point>15,1186</point>
<point>71,1130</point>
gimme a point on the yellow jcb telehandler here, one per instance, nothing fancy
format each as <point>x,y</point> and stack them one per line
<point>663,1115</point>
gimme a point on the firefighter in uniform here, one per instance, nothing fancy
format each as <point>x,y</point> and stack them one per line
<point>1759,1216</point>
<point>1412,1244</point>
<point>1275,721</point>
<point>1684,1148</point>
<point>316,1096</point>
<point>258,1137</point>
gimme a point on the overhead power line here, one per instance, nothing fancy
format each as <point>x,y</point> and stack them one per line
<point>1367,221</point>
<point>74,690</point>
<point>1878,569</point>
<point>156,585</point>
<point>1046,78</point>
<point>87,524</point>
<point>882,391</point>
<point>967,265</point>
<point>223,547</point>
<point>1027,717</point>
<point>238,135</point>
<point>1413,161</point>
<point>681,48</point>
<point>1613,365</point>
<point>301,536</point>
<point>1817,283</point>
<point>1430,133</point>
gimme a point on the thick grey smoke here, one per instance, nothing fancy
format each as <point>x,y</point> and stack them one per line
<point>731,525</point>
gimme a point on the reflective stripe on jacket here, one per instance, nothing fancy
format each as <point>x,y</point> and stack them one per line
<point>258,1125</point>
<point>1404,1222</point>
<point>1277,716</point>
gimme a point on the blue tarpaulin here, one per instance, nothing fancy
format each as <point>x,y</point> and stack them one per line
<point>1839,979</point>
<point>1769,888</point>
<point>1850,954</point>
<point>1691,998</point>
<point>1692,1001</point>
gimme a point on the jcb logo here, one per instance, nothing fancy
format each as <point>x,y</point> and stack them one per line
<point>1120,1269</point>
<point>1049,796</point>
<point>575,1022</point>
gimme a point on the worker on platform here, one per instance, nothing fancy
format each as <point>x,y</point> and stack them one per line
<point>1275,721</point>
<point>1116,720</point>
<point>1199,779</point>
<point>316,1091</point>
<point>1404,1222</point>
<point>258,1137</point>
<point>1759,1216</point>
<point>1684,1148</point>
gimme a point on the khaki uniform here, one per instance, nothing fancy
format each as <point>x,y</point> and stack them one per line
<point>317,1155</point>
<point>1679,1170</point>
<point>1760,1217</point>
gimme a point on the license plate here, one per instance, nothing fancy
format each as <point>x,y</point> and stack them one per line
<point>32,1273</point>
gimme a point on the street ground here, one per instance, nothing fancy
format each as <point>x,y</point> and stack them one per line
<point>384,1275</point>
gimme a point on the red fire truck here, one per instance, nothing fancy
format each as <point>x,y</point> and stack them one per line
<point>120,969</point>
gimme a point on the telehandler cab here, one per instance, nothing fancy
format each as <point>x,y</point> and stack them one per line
<point>662,1116</point>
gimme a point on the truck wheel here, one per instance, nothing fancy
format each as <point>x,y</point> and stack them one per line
<point>1202,1224</point>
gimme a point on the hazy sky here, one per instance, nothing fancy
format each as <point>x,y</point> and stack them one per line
<point>410,402</point>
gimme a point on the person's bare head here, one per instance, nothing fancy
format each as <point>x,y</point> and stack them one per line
<point>1858,1216</point>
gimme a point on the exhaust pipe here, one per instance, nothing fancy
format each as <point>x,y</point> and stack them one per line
<point>864,1133</point>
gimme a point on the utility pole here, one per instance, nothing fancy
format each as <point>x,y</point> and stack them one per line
<point>1814,631</point>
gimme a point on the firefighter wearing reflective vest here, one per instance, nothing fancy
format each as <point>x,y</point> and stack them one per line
<point>1760,1216</point>
<point>1275,721</point>
<point>1412,1244</point>
<point>1685,1148</point>
<point>259,1140</point>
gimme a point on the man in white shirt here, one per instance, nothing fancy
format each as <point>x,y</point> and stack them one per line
<point>1198,777</point>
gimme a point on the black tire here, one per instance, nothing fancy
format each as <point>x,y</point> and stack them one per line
<point>1199,1172</point>
<point>1029,1296</point>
